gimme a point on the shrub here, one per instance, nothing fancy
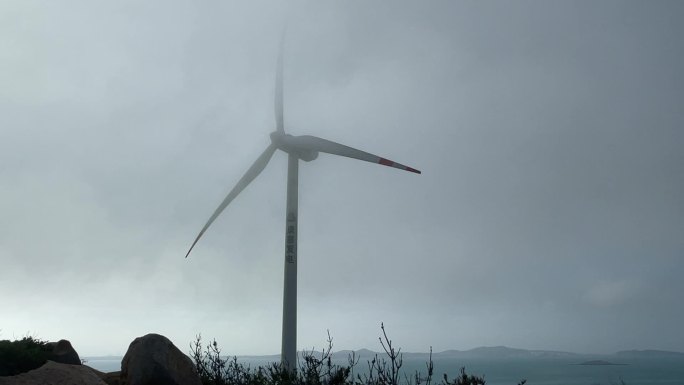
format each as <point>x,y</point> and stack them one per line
<point>314,369</point>
<point>22,355</point>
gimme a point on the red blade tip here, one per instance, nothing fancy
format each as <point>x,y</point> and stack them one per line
<point>387,162</point>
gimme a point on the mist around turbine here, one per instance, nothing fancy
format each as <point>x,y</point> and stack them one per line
<point>306,148</point>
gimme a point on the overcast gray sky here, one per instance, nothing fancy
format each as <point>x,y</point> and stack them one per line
<point>549,215</point>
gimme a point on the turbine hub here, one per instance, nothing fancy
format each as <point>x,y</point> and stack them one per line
<point>277,137</point>
<point>291,145</point>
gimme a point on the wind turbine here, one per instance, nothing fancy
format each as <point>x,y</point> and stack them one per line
<point>306,148</point>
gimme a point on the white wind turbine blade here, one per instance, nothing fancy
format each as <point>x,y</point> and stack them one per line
<point>314,143</point>
<point>249,176</point>
<point>278,101</point>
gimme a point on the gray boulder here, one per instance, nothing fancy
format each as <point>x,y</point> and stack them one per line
<point>154,360</point>
<point>62,352</point>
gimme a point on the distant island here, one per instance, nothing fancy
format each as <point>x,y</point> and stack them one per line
<point>598,362</point>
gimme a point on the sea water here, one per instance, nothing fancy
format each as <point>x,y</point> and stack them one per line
<point>556,371</point>
<point>564,371</point>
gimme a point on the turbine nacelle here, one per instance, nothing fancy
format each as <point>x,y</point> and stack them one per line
<point>293,145</point>
<point>307,155</point>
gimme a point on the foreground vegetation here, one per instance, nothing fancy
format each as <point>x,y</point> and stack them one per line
<point>314,368</point>
<point>22,355</point>
<point>317,368</point>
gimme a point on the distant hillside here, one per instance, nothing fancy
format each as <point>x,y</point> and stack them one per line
<point>484,352</point>
<point>103,358</point>
<point>493,352</point>
<point>649,354</point>
<point>360,352</point>
<point>503,352</point>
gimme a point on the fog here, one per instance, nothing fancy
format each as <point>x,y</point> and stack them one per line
<point>549,214</point>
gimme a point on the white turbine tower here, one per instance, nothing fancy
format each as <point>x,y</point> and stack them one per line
<point>306,148</point>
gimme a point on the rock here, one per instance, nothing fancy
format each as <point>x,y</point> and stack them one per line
<point>54,373</point>
<point>111,378</point>
<point>154,360</point>
<point>63,353</point>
